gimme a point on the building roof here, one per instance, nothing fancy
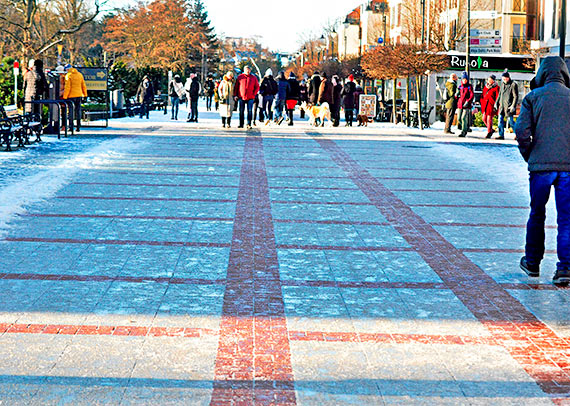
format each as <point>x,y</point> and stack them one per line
<point>354,16</point>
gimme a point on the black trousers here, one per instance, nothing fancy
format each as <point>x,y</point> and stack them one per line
<point>193,115</point>
<point>349,116</point>
<point>76,114</point>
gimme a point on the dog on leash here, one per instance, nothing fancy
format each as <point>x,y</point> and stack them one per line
<point>363,120</point>
<point>321,112</point>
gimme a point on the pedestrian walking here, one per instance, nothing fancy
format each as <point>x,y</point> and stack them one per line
<point>177,95</point>
<point>209,89</point>
<point>193,91</point>
<point>293,97</point>
<point>326,91</point>
<point>216,95</point>
<point>347,95</point>
<point>227,101</point>
<point>543,135</point>
<point>267,92</point>
<point>357,92</point>
<point>35,86</point>
<point>314,88</point>
<point>283,90</point>
<point>74,90</point>
<point>507,102</point>
<point>337,100</point>
<point>488,100</point>
<point>246,88</point>
<point>451,97</point>
<point>145,96</point>
<point>465,103</point>
<point>303,93</point>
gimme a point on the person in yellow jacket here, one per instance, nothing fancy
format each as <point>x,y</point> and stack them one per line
<point>74,90</point>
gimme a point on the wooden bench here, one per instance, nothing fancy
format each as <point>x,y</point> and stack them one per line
<point>21,127</point>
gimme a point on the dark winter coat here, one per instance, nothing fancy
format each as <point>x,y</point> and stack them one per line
<point>314,88</point>
<point>195,88</point>
<point>268,86</point>
<point>326,92</point>
<point>35,85</point>
<point>283,89</point>
<point>209,87</point>
<point>466,96</point>
<point>488,99</point>
<point>295,92</point>
<point>543,128</point>
<point>357,94</point>
<point>303,96</point>
<point>337,99</point>
<point>348,95</point>
<point>145,93</point>
<point>451,94</point>
<point>508,99</point>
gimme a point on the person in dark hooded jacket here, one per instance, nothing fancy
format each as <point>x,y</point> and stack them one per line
<point>347,95</point>
<point>314,88</point>
<point>293,97</point>
<point>543,134</point>
<point>283,90</point>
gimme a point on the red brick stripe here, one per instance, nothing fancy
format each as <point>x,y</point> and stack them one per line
<point>253,364</point>
<point>119,242</point>
<point>536,347</point>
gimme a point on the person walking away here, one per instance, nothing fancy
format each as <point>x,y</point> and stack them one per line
<point>507,102</point>
<point>335,107</point>
<point>464,103</point>
<point>246,88</point>
<point>209,87</point>
<point>74,90</point>
<point>543,134</point>
<point>227,102</point>
<point>283,90</point>
<point>35,85</point>
<point>216,95</point>
<point>488,100</point>
<point>267,92</point>
<point>294,95</point>
<point>176,92</point>
<point>303,95</point>
<point>326,91</point>
<point>145,96</point>
<point>347,95</point>
<point>314,87</point>
<point>357,92</point>
<point>194,97</point>
<point>451,97</point>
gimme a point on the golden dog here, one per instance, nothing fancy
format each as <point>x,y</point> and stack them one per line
<point>321,112</point>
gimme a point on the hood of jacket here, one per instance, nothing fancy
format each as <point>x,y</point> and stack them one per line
<point>552,69</point>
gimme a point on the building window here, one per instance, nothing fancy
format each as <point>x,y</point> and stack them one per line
<point>518,6</point>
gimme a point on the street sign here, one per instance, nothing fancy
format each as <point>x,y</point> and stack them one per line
<point>16,68</point>
<point>485,33</point>
<point>380,40</point>
<point>484,15</point>
<point>486,42</point>
<point>95,78</point>
<point>483,50</point>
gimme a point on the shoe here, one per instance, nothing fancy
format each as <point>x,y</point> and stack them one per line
<point>530,269</point>
<point>500,138</point>
<point>223,126</point>
<point>489,135</point>
<point>290,123</point>
<point>449,132</point>
<point>470,130</point>
<point>462,135</point>
<point>561,277</point>
<point>240,126</point>
<point>280,121</point>
<point>188,121</point>
<point>249,126</point>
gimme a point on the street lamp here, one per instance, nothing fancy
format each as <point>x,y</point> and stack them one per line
<point>334,36</point>
<point>346,25</point>
<point>383,7</point>
<point>563,18</point>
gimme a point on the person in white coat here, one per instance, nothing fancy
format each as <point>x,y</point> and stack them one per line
<point>227,101</point>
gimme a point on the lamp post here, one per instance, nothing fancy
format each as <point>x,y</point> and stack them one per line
<point>334,36</point>
<point>468,37</point>
<point>204,47</point>
<point>423,21</point>
<point>346,25</point>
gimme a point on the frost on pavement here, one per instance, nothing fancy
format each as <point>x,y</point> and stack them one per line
<point>24,191</point>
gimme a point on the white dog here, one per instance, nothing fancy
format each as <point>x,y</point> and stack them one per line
<point>321,112</point>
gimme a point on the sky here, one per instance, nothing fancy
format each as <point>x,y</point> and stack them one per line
<point>280,23</point>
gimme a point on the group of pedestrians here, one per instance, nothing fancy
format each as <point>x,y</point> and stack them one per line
<point>496,100</point>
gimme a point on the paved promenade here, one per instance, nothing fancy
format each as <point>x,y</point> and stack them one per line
<point>172,264</point>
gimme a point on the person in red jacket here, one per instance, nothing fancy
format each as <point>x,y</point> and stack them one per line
<point>247,87</point>
<point>488,100</point>
<point>465,103</point>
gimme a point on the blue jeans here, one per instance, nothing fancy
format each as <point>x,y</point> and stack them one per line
<point>279,106</point>
<point>540,186</point>
<point>266,105</point>
<point>175,106</point>
<point>242,105</point>
<point>502,124</point>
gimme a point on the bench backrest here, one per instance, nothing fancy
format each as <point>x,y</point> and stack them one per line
<point>8,111</point>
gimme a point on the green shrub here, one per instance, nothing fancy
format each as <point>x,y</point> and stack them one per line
<point>478,120</point>
<point>7,82</point>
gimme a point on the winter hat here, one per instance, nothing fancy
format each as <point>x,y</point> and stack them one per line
<point>351,77</point>
<point>31,63</point>
<point>464,75</point>
<point>506,74</point>
<point>493,77</point>
<point>268,72</point>
<point>292,75</point>
<point>68,66</point>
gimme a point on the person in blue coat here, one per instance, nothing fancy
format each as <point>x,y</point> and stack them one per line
<point>283,90</point>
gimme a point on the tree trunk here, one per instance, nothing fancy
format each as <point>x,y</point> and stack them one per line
<point>394,118</point>
<point>419,93</point>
